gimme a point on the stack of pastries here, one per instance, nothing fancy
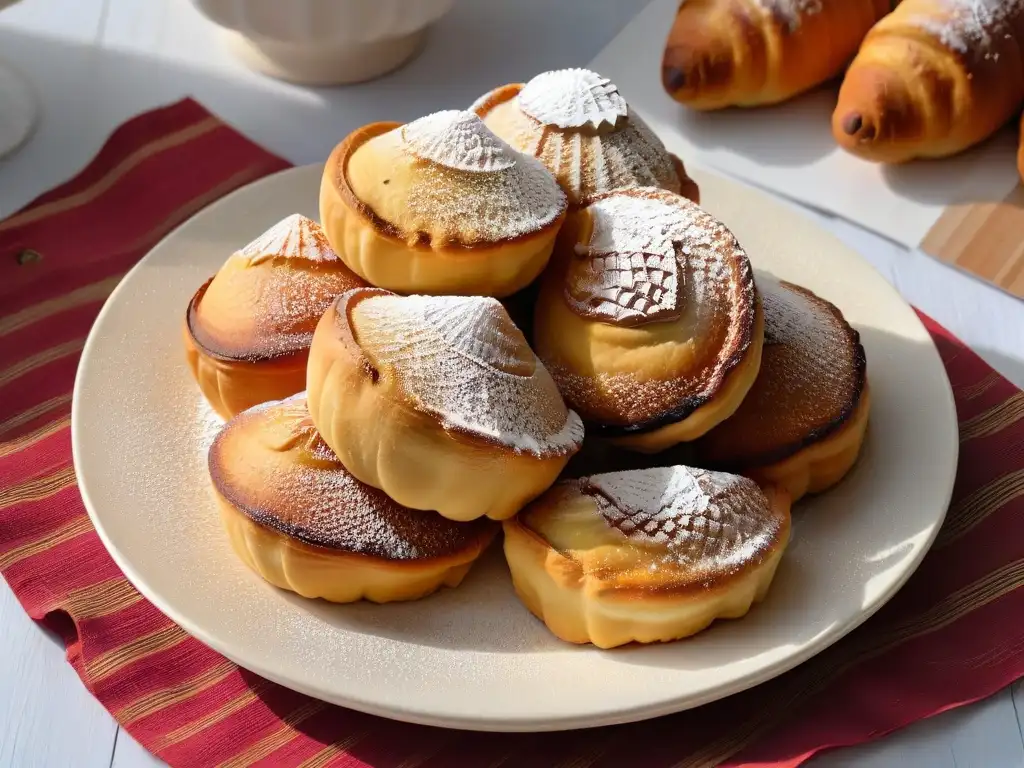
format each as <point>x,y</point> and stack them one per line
<point>387,415</point>
<point>920,78</point>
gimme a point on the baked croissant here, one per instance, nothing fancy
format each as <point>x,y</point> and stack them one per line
<point>746,53</point>
<point>933,78</point>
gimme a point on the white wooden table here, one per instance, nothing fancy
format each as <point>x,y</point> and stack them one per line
<point>98,62</point>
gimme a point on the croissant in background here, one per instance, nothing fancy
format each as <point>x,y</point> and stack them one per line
<point>746,53</point>
<point>933,78</point>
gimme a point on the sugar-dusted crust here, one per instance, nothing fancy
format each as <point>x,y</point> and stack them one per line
<point>297,517</point>
<point>803,421</point>
<point>415,261</point>
<point>231,385</point>
<point>247,330</point>
<point>600,586</point>
<point>388,440</point>
<point>588,159</point>
<point>657,383</point>
<point>268,296</point>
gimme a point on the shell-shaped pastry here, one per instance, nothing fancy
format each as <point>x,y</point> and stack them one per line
<point>579,126</point>
<point>439,402</point>
<point>294,237</point>
<point>458,140</point>
<point>268,297</point>
<point>448,179</point>
<point>651,327</point>
<point>461,359</point>
<point>573,98</point>
<point>693,517</point>
<point>647,555</point>
<point>628,288</point>
<point>440,205</point>
<point>298,517</point>
<point>248,330</point>
<point>803,422</point>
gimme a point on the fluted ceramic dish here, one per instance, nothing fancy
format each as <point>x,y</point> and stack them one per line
<point>324,42</point>
<point>474,657</point>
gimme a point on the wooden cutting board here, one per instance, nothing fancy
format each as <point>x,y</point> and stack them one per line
<point>983,239</point>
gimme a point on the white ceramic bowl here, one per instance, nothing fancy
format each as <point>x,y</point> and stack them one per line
<point>18,110</point>
<point>325,42</point>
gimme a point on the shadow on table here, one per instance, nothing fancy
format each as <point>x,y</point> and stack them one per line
<point>1011,368</point>
<point>761,133</point>
<point>927,180</point>
<point>499,622</point>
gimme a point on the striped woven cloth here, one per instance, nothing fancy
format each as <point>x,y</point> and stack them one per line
<point>953,635</point>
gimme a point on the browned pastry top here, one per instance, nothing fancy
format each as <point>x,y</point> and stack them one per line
<point>444,181</point>
<point>811,379</point>
<point>578,124</point>
<point>462,362</point>
<point>266,300</point>
<point>272,465</point>
<point>660,267</point>
<point>664,530</point>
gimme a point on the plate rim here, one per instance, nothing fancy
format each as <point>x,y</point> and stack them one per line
<point>510,724</point>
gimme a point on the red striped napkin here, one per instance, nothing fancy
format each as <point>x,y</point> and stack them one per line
<point>951,636</point>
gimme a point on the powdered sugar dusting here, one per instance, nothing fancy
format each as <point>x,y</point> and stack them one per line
<point>295,237</point>
<point>714,287</point>
<point>573,98</point>
<point>630,270</point>
<point>810,380</point>
<point>652,224</point>
<point>695,515</point>
<point>626,288</point>
<point>459,140</point>
<point>791,13</point>
<point>587,162</point>
<point>475,187</point>
<point>464,361</point>
<point>210,424</point>
<point>971,26</point>
<point>818,366</point>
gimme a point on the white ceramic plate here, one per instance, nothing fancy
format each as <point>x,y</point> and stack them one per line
<point>474,657</point>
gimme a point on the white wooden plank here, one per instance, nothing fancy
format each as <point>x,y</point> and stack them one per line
<point>47,718</point>
<point>983,735</point>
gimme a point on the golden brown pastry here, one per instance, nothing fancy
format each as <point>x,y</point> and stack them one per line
<point>247,330</point>
<point>295,515</point>
<point>646,555</point>
<point>933,78</point>
<point>577,124</point>
<point>653,329</point>
<point>747,53</point>
<point>440,206</point>
<point>439,402</point>
<point>802,424</point>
